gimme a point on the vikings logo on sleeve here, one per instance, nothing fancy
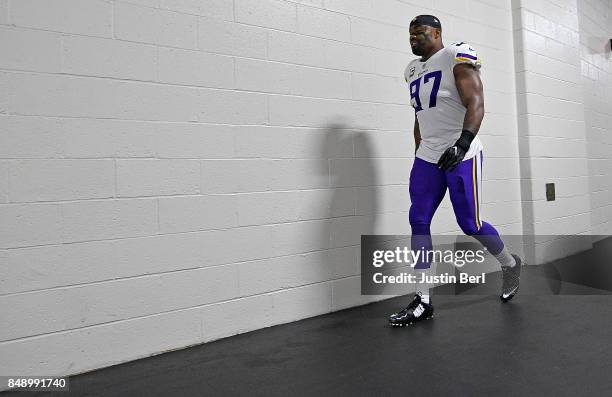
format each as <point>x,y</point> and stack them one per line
<point>464,53</point>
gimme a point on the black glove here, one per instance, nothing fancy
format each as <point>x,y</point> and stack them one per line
<point>455,154</point>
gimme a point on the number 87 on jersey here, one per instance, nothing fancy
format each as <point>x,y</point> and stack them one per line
<point>433,79</point>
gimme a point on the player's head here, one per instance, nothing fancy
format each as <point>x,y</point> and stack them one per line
<point>425,34</point>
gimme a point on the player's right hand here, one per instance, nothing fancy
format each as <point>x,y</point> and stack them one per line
<point>451,158</point>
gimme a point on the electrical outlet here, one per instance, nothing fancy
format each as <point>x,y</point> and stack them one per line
<point>550,192</point>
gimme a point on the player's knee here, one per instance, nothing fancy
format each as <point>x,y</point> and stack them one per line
<point>469,228</point>
<point>418,220</point>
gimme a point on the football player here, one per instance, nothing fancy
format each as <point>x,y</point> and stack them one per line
<point>447,96</point>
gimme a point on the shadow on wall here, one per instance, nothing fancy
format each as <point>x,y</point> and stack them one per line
<point>352,204</point>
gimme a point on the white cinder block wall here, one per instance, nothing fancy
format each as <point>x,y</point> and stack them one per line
<point>557,143</point>
<point>167,166</point>
<point>552,135</point>
<point>551,116</point>
<point>595,17</point>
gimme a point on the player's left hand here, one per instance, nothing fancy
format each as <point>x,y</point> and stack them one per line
<point>451,158</point>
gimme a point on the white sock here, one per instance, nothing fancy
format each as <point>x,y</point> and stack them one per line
<point>425,298</point>
<point>505,258</point>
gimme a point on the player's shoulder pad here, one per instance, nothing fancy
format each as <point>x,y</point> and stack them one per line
<point>462,52</point>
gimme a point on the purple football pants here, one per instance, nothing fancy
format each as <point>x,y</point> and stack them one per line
<point>428,185</point>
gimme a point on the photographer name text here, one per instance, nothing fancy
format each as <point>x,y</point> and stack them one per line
<point>444,278</point>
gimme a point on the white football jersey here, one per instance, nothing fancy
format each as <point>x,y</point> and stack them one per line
<point>436,101</point>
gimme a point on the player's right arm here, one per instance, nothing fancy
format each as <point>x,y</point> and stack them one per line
<point>417,134</point>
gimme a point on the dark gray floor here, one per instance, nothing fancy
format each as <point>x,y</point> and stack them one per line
<point>539,344</point>
<point>545,345</point>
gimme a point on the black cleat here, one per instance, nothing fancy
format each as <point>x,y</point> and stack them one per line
<point>416,311</point>
<point>511,276</point>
